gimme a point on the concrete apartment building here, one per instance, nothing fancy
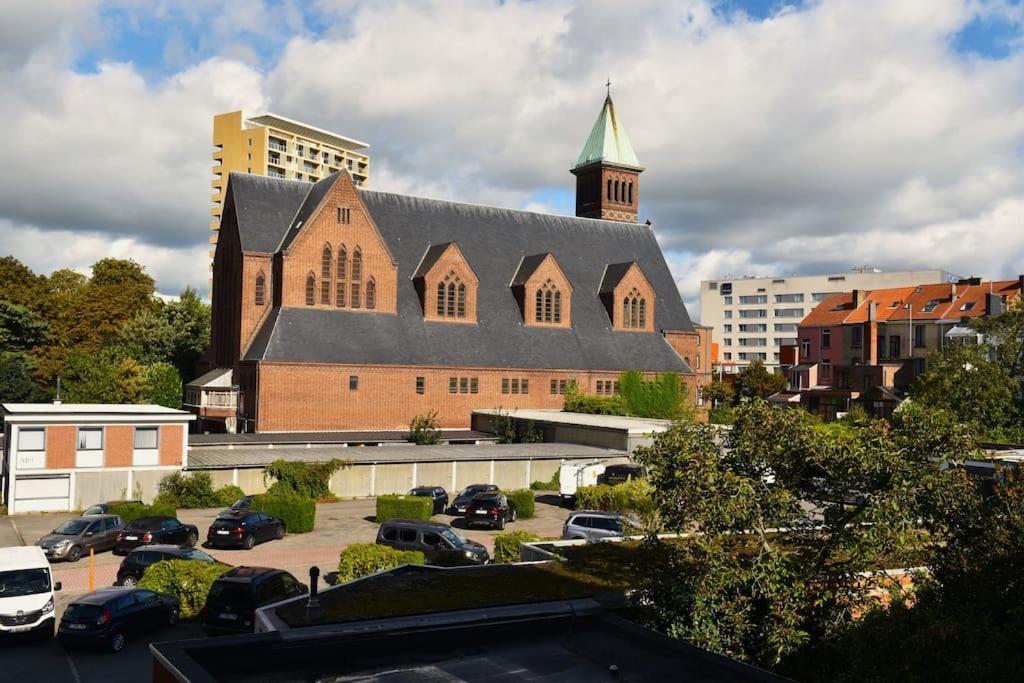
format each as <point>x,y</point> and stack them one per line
<point>753,317</point>
<point>278,147</point>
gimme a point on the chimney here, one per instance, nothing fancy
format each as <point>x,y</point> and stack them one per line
<point>871,335</point>
<point>858,298</point>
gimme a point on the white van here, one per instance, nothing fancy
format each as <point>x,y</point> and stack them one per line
<point>26,591</point>
<point>573,475</point>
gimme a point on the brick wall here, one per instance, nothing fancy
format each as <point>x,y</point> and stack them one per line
<point>61,442</point>
<point>118,445</point>
<point>171,443</point>
<point>252,316</point>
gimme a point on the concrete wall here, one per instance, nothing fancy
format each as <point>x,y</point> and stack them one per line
<point>97,487</point>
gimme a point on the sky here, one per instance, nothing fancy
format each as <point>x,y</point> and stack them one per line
<point>778,137</point>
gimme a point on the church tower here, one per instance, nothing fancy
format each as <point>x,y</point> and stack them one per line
<point>607,171</point>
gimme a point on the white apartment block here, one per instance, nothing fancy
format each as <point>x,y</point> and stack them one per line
<point>752,317</point>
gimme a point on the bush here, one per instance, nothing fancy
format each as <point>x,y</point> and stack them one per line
<point>363,559</point>
<point>129,511</point>
<point>404,507</point>
<point>228,494</point>
<point>298,513</point>
<point>506,545</point>
<point>187,580</point>
<point>423,429</point>
<point>305,479</point>
<point>722,415</point>
<point>552,484</point>
<point>188,490</point>
<point>510,430</point>
<point>523,502</point>
<point>631,496</point>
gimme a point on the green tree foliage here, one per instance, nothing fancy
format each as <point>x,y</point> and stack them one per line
<point>761,583</point>
<point>297,512</point>
<point>403,507</point>
<point>305,479</point>
<point>510,430</point>
<point>362,559</point>
<point>195,490</point>
<point>423,430</point>
<point>187,580</point>
<point>523,502</point>
<point>19,285</point>
<point>103,377</point>
<point>16,383</point>
<point>720,393</point>
<point>962,380</point>
<point>162,385</point>
<point>506,545</point>
<point>662,397</point>
<point>756,381</point>
<point>20,328</point>
<point>117,291</point>
<point>1005,336</point>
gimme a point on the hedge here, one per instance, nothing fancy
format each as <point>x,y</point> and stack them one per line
<point>363,559</point>
<point>404,507</point>
<point>228,494</point>
<point>298,513</point>
<point>523,502</point>
<point>632,496</point>
<point>506,545</point>
<point>188,580</point>
<point>129,511</point>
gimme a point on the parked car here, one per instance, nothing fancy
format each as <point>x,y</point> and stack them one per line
<point>135,564</point>
<point>243,503</point>
<point>155,530</point>
<point>107,618</point>
<point>440,544</point>
<point>491,510</point>
<point>244,529</point>
<point>572,475</point>
<point>620,474</point>
<point>593,525</point>
<point>234,598</point>
<point>73,538</point>
<point>104,508</point>
<point>436,493</point>
<point>26,591</point>
<point>461,501</point>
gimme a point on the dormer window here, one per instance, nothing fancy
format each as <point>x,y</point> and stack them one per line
<point>446,285</point>
<point>542,291</point>
<point>628,297</point>
<point>634,310</point>
<point>451,297</point>
<point>260,294</point>
<point>548,304</point>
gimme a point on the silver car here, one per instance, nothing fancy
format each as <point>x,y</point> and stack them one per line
<point>593,525</point>
<point>73,538</point>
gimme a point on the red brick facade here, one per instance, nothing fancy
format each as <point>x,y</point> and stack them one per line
<point>61,442</point>
<point>172,439</point>
<point>119,445</point>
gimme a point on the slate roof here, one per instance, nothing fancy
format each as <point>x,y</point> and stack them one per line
<point>430,258</point>
<point>494,241</point>
<point>527,267</point>
<point>264,208</point>
<point>316,192</point>
<point>613,274</point>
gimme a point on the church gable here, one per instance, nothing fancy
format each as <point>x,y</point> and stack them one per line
<point>543,292</point>
<point>446,285</point>
<point>628,297</point>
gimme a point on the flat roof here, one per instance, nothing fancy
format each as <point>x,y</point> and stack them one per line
<point>274,438</point>
<point>631,425</point>
<point>91,409</point>
<point>293,126</point>
<point>225,457</point>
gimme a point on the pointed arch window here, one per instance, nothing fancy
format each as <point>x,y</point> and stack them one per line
<point>548,308</point>
<point>357,264</point>
<point>634,311</point>
<point>460,301</point>
<point>452,297</point>
<point>325,263</point>
<point>643,313</point>
<point>449,308</point>
<point>339,294</point>
<point>310,289</point>
<point>342,262</point>
<point>371,294</point>
<point>356,299</point>
<point>538,313</point>
<point>609,189</point>
<point>261,290</point>
<point>617,195</point>
<point>558,307</point>
<point>440,298</point>
<point>630,191</point>
<point>625,312</point>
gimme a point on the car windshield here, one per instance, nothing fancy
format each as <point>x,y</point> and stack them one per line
<point>473,490</point>
<point>198,555</point>
<point>242,503</point>
<point>94,510</point>
<point>420,492</point>
<point>230,593</point>
<point>24,582</point>
<point>454,538</point>
<point>72,527</point>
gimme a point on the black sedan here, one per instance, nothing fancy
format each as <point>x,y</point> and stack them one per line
<point>153,530</point>
<point>107,618</point>
<point>435,493</point>
<point>461,501</point>
<point>490,509</point>
<point>244,529</point>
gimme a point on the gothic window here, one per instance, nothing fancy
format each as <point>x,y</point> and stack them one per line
<point>310,289</point>
<point>558,306</point>
<point>357,264</point>
<point>609,189</point>
<point>630,191</point>
<point>449,309</point>
<point>453,297</point>
<point>339,295</point>
<point>617,190</point>
<point>625,312</point>
<point>460,304</point>
<point>325,292</point>
<point>634,311</point>
<point>643,314</point>
<point>538,313</point>
<point>440,298</point>
<point>325,262</point>
<point>371,294</point>
<point>548,308</point>
<point>342,261</point>
<point>261,289</point>
<point>355,295</point>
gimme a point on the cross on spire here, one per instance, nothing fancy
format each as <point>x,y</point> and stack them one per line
<point>608,86</point>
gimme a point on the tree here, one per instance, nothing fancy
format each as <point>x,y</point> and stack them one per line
<point>19,285</point>
<point>16,383</point>
<point>720,393</point>
<point>423,430</point>
<point>162,385</point>
<point>103,377</point>
<point>189,318</point>
<point>1004,334</point>
<point>20,328</point>
<point>118,290</point>
<point>755,381</point>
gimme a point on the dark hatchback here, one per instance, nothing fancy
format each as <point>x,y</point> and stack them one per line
<point>461,501</point>
<point>435,493</point>
<point>243,503</point>
<point>619,474</point>
<point>234,598</point>
<point>491,510</point>
<point>243,529</point>
<point>109,617</point>
<point>135,564</point>
<point>441,545</point>
<point>155,530</point>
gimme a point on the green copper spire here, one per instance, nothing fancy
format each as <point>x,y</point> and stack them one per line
<point>608,141</point>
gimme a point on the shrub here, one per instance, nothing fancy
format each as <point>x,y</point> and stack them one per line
<point>188,490</point>
<point>552,484</point>
<point>129,511</point>
<point>423,429</point>
<point>523,502</point>
<point>510,430</point>
<point>363,559</point>
<point>228,494</point>
<point>404,507</point>
<point>187,580</point>
<point>298,513</point>
<point>506,545</point>
<point>631,496</point>
<point>306,479</point>
<point>722,415</point>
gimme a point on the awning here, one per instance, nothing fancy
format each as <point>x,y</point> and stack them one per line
<point>219,378</point>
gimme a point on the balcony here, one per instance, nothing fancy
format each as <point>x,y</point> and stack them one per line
<point>272,173</point>
<point>277,146</point>
<point>276,161</point>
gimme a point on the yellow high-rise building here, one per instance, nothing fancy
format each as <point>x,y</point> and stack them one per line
<point>278,147</point>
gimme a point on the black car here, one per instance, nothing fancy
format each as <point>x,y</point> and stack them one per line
<point>441,545</point>
<point>461,501</point>
<point>104,508</point>
<point>244,529</point>
<point>133,566</point>
<point>234,598</point>
<point>620,474</point>
<point>243,503</point>
<point>155,530</point>
<point>108,617</point>
<point>490,509</point>
<point>436,493</point>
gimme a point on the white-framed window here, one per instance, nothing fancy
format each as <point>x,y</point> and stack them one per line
<point>33,439</point>
<point>89,452</point>
<point>147,446</point>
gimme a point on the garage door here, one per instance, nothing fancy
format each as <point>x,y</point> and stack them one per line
<point>42,494</point>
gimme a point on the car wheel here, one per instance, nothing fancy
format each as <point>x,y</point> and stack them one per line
<point>116,642</point>
<point>192,540</point>
<point>501,524</point>
<point>129,581</point>
<point>280,531</point>
<point>514,514</point>
<point>172,616</point>
<point>249,542</point>
<point>74,555</point>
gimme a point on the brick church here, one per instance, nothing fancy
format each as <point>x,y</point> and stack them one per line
<point>340,308</point>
